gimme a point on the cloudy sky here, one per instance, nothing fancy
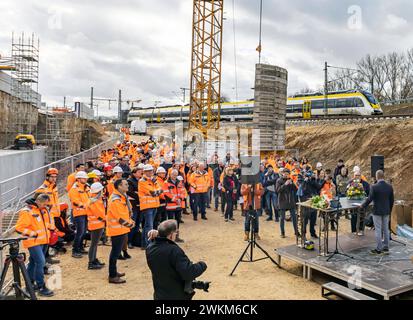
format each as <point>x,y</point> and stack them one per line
<point>143,47</point>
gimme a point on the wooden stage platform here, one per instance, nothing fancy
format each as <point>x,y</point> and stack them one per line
<point>384,275</point>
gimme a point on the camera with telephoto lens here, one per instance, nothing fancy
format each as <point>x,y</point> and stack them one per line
<point>191,285</point>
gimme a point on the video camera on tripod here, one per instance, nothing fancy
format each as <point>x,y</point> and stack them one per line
<point>17,260</point>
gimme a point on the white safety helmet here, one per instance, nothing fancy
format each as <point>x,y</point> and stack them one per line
<point>117,170</point>
<point>160,170</point>
<point>356,169</point>
<point>81,175</point>
<point>147,167</point>
<point>319,165</point>
<point>96,187</point>
<point>97,172</point>
<point>179,178</point>
<point>141,166</point>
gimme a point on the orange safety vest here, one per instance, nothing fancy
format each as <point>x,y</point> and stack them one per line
<point>146,199</point>
<point>34,224</point>
<point>117,210</point>
<point>80,199</point>
<point>52,192</point>
<point>326,190</point>
<point>294,175</point>
<point>211,177</point>
<point>162,184</point>
<point>96,215</point>
<point>200,182</point>
<point>173,194</point>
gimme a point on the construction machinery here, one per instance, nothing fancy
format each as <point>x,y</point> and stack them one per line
<point>206,65</point>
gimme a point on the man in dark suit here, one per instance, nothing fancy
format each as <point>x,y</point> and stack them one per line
<point>171,268</point>
<point>382,195</point>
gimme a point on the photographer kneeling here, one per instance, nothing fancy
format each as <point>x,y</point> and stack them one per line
<point>172,271</point>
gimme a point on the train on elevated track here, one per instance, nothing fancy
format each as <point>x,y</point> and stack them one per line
<point>312,105</point>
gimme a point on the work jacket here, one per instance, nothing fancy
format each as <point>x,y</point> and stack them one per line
<point>79,198</point>
<point>247,195</point>
<point>200,181</point>
<point>119,215</point>
<point>52,192</point>
<point>70,181</point>
<point>96,216</point>
<point>174,194</point>
<point>162,184</point>
<point>148,192</point>
<point>34,224</point>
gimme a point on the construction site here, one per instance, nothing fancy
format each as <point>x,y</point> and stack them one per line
<point>251,170</point>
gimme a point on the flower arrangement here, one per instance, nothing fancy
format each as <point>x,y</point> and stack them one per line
<point>355,191</point>
<point>319,202</point>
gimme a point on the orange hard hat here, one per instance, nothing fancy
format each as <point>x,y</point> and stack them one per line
<point>52,171</point>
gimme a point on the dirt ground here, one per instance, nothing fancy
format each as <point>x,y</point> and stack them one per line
<point>214,241</point>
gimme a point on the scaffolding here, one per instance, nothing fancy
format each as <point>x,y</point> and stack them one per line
<point>24,85</point>
<point>57,135</point>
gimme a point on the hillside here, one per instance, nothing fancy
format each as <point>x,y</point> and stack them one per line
<point>355,143</point>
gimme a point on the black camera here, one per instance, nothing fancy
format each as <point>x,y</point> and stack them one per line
<point>191,285</point>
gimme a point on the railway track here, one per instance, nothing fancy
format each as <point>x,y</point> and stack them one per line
<point>349,119</point>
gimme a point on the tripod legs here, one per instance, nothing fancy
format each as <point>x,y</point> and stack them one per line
<point>18,267</point>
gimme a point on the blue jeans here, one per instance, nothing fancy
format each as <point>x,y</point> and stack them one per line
<point>271,199</point>
<point>256,223</point>
<point>200,200</point>
<point>382,232</point>
<point>80,223</point>
<point>37,261</point>
<point>149,216</point>
<point>282,220</point>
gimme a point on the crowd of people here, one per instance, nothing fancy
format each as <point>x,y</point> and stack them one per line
<point>133,187</point>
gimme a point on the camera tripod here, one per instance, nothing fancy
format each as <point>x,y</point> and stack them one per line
<point>17,260</point>
<point>252,243</point>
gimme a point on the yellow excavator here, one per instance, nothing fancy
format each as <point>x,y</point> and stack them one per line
<point>24,142</point>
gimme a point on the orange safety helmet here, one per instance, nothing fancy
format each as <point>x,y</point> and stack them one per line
<point>52,171</point>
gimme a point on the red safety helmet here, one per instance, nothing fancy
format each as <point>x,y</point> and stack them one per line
<point>63,206</point>
<point>53,238</point>
<point>52,171</point>
<point>107,168</point>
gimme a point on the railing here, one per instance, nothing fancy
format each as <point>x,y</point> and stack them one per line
<point>13,195</point>
<point>10,205</point>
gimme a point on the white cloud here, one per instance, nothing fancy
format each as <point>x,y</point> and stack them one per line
<point>394,22</point>
<point>143,47</point>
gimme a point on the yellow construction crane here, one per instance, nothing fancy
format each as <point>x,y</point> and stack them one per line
<point>206,65</point>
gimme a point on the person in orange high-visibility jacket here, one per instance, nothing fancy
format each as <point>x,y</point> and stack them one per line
<point>79,199</point>
<point>96,223</point>
<point>49,187</point>
<point>149,192</point>
<point>210,187</point>
<point>174,196</point>
<point>161,214</point>
<point>200,181</point>
<point>119,222</point>
<point>71,178</point>
<point>295,173</point>
<point>33,223</point>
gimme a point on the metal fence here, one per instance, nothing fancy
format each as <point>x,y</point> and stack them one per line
<point>13,195</point>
